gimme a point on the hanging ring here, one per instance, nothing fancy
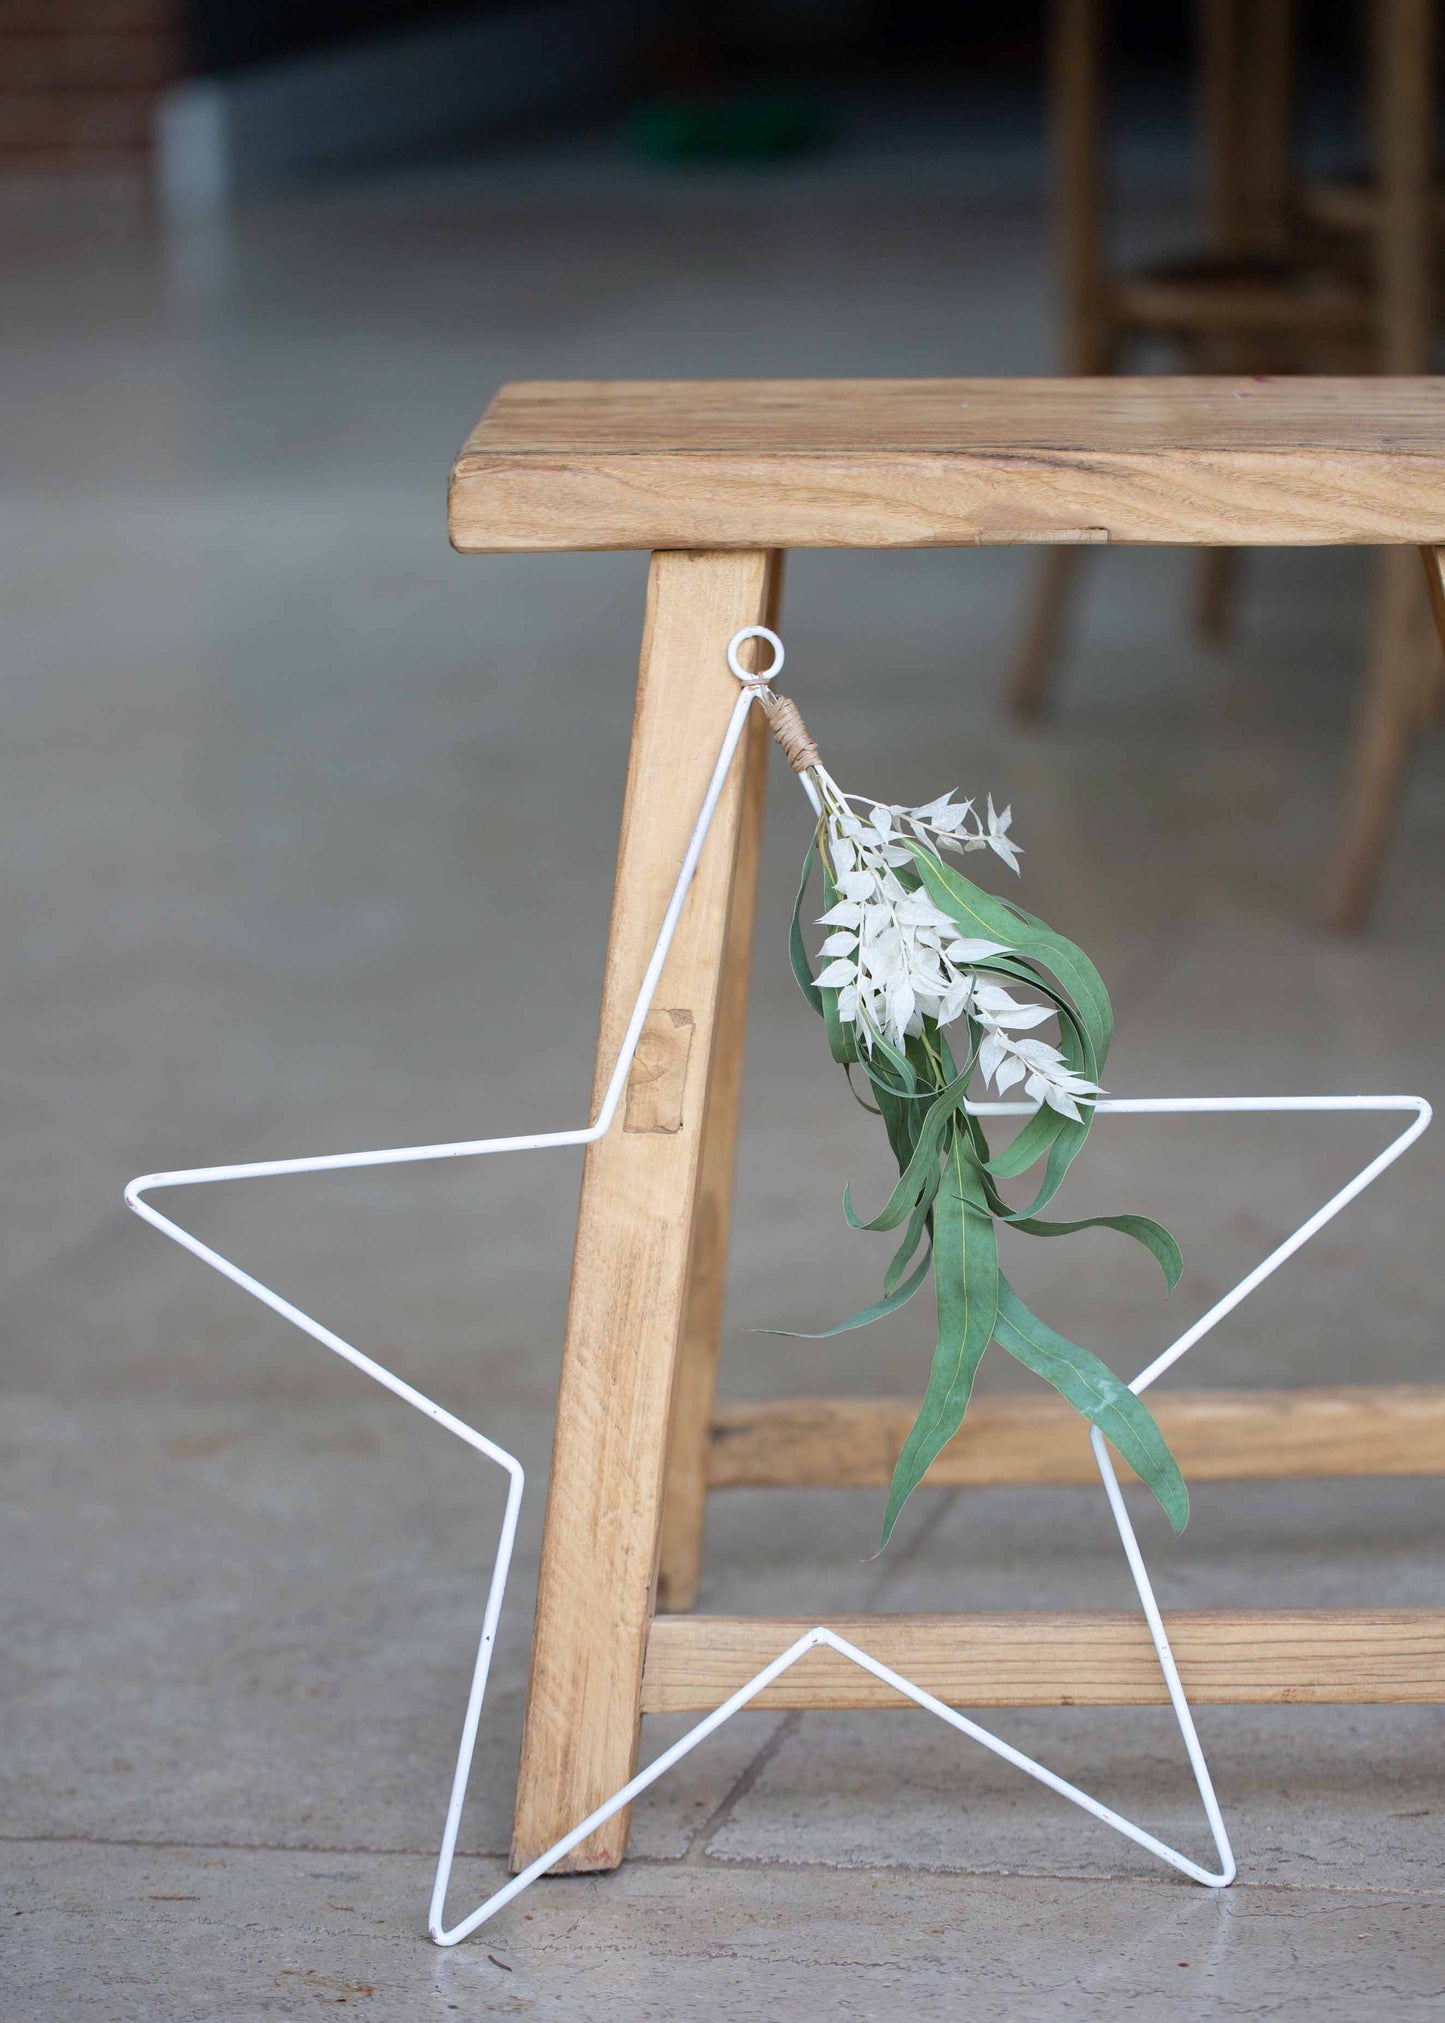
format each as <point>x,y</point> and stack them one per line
<point>767,674</point>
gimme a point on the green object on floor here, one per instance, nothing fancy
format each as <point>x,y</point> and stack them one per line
<point>751,127</point>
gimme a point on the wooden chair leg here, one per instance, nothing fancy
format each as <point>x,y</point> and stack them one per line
<point>1433,675</point>
<point>636,1220</point>
<point>1405,35</point>
<point>1076,111</point>
<point>1029,689</point>
<point>1076,135</point>
<point>1245,70</point>
<point>1392,710</point>
<point>689,1441</point>
<point>1216,594</point>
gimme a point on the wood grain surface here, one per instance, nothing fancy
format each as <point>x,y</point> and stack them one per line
<point>919,463</point>
<point>636,1222</point>
<point>1226,1657</point>
<point>1217,1436</point>
<point>694,1391</point>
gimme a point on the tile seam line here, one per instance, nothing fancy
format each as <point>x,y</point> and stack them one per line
<point>1397,1892</point>
<point>742,1785</point>
<point>722,1863</point>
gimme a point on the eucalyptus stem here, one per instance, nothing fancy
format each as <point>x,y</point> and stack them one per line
<point>914,948</point>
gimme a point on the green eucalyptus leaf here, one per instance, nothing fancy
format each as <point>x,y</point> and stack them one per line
<point>926,1152</point>
<point>918,1222</point>
<point>897,1118</point>
<point>862,1101</point>
<point>865,1316</point>
<point>842,1040</point>
<point>1155,1238</point>
<point>1143,1228</point>
<point>906,1092</point>
<point>1085,1031</point>
<point>797,947</point>
<point>979,913</point>
<point>948,1191</point>
<point>997,1206</point>
<point>900,1063</point>
<point>1037,1137</point>
<point>966,1280</point>
<point>1093,1389</point>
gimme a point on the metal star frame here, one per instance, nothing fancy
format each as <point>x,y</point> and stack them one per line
<point>754,687</point>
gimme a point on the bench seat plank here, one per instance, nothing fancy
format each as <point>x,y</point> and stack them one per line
<point>601,464</point>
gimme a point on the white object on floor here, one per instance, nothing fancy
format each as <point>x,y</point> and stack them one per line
<point>139,1189</point>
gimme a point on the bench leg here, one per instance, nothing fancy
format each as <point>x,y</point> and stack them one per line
<point>1216,594</point>
<point>636,1220</point>
<point>1029,689</point>
<point>690,1440</point>
<point>1394,706</point>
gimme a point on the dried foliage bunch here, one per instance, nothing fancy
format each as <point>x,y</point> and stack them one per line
<point>916,951</point>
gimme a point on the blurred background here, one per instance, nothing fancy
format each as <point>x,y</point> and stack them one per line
<point>311,826</point>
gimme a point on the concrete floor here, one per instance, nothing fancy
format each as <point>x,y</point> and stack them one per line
<point>312,828</point>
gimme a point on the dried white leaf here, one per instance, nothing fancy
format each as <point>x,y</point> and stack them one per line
<point>1060,1100</point>
<point>992,997</point>
<point>991,1053</point>
<point>1010,1070</point>
<point>1040,1054</point>
<point>974,951</point>
<point>1024,1015</point>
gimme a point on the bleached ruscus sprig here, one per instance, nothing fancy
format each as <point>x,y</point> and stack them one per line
<point>918,987</point>
<point>898,960</point>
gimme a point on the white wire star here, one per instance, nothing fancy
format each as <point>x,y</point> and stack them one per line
<point>139,1189</point>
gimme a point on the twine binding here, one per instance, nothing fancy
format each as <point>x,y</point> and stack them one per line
<point>791,732</point>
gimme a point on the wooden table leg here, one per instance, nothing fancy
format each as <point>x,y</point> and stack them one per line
<point>1030,686</point>
<point>1391,712</point>
<point>635,1223</point>
<point>690,1441</point>
<point>1216,595</point>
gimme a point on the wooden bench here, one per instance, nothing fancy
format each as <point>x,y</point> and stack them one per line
<point>717,479</point>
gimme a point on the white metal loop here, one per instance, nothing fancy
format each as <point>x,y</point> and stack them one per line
<point>767,674</point>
